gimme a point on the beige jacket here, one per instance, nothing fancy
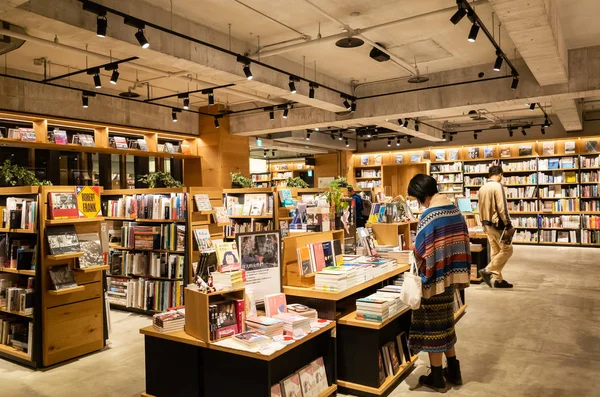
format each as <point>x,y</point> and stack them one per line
<point>492,203</point>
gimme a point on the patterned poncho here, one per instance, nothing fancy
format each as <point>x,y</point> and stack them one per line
<point>442,247</point>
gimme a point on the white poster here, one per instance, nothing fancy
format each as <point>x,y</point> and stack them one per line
<point>325,181</point>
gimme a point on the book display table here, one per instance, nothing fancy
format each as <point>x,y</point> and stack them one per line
<point>207,369</point>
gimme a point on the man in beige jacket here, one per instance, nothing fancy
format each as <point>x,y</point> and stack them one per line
<point>493,210</point>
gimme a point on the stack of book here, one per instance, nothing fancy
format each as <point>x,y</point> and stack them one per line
<point>265,325</point>
<point>293,323</point>
<point>170,321</point>
<point>19,213</point>
<point>149,206</point>
<point>228,280</point>
<point>302,310</point>
<point>251,339</point>
<point>379,307</point>
<point>335,278</point>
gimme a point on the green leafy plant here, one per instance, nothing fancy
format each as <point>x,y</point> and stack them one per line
<point>15,175</point>
<point>156,179</point>
<point>238,179</point>
<point>296,182</point>
<point>341,181</point>
<point>335,194</point>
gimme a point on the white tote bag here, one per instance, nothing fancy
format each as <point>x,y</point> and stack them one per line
<point>412,288</point>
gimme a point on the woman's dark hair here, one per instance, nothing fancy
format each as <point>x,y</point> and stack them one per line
<point>227,253</point>
<point>421,187</point>
<point>495,170</point>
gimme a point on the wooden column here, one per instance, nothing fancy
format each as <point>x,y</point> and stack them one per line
<point>221,152</point>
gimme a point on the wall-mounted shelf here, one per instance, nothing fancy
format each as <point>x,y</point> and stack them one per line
<point>69,255</point>
<point>66,291</point>
<point>92,269</point>
<point>52,222</point>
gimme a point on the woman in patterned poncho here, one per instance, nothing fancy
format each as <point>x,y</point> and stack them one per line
<point>443,258</point>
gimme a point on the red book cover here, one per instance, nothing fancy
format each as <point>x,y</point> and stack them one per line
<point>240,314</point>
<point>319,256</point>
<point>227,331</point>
<point>63,206</point>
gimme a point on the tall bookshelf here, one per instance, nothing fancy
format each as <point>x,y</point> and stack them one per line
<point>19,275</point>
<point>250,223</point>
<point>73,319</point>
<point>551,186</point>
<point>151,293</point>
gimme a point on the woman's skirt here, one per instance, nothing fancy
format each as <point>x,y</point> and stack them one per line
<point>432,328</point>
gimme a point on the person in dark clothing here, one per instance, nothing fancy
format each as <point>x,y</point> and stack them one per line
<point>361,221</point>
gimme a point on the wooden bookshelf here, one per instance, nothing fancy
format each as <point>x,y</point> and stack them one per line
<point>92,269</point>
<point>28,231</point>
<point>52,222</point>
<point>350,319</point>
<point>11,351</point>
<point>66,291</point>
<point>387,384</point>
<point>61,257</point>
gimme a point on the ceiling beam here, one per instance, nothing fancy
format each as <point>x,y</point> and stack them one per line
<point>570,113</point>
<point>535,29</point>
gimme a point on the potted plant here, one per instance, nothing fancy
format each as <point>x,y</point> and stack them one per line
<point>240,181</point>
<point>296,182</point>
<point>159,179</point>
<point>335,196</point>
<point>15,175</point>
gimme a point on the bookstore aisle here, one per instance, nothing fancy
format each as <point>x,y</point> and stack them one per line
<point>540,339</point>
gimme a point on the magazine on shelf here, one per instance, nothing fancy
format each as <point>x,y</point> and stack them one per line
<point>202,202</point>
<point>377,159</point>
<point>525,150</point>
<point>88,201</point>
<point>62,239</point>
<point>473,152</point>
<point>60,137</point>
<point>142,144</point>
<point>569,147</point>
<point>591,146</point>
<point>62,277</point>
<point>92,250</point>
<point>63,205</point>
<point>505,152</point>
<point>364,159</point>
<point>440,155</point>
<point>548,148</point>
<point>399,158</point>
<point>488,152</point>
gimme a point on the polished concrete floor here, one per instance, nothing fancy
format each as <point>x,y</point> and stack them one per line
<point>540,339</point>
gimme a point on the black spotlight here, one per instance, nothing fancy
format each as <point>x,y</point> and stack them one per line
<point>114,77</point>
<point>389,143</point>
<point>451,137</point>
<point>186,103</point>
<point>498,63</point>
<point>174,115</point>
<point>211,98</point>
<point>409,140</point>
<point>265,153</point>
<point>365,144</point>
<point>292,85</point>
<point>285,113</point>
<point>101,24</point>
<point>397,141</point>
<point>416,125</point>
<point>444,136</point>
<point>308,135</point>
<point>347,104</point>
<point>532,107</point>
<point>217,122</point>
<point>248,72</point>
<point>97,82</point>
<point>85,101</point>
<point>369,134</point>
<point>458,15</point>
<point>332,136</point>
<point>515,83</point>
<point>341,136</point>
<point>523,131</point>
<point>400,122</point>
<point>510,132</point>
<point>311,91</point>
<point>142,39</point>
<point>347,142</point>
<point>273,152</point>
<point>473,33</point>
<point>353,107</point>
<point>271,115</point>
<point>543,130</point>
<point>405,125</point>
<point>547,122</point>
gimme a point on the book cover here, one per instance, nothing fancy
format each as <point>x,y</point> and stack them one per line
<point>203,240</point>
<point>364,159</point>
<point>318,256</point>
<point>202,202</point>
<point>415,158</point>
<point>401,354</point>
<point>275,304</point>
<point>227,257</point>
<point>60,137</point>
<point>505,152</point>
<point>395,361</point>
<point>440,155</point>
<point>169,148</point>
<point>553,164</point>
<point>328,253</point>
<point>453,154</point>
<point>473,152</point>
<point>63,205</point>
<point>548,148</point>
<point>320,374</point>
<point>27,134</point>
<point>276,391</point>
<point>256,208</point>
<point>62,277</point>
<point>399,158</point>
<point>569,147</point>
<point>120,142</point>
<point>240,314</point>
<point>525,150</point>
<point>304,263</point>
<point>185,148</point>
<point>381,370</point>
<point>86,140</point>
<point>386,361</point>
<point>285,197</point>
<point>251,338</point>
<point>221,215</point>
<point>92,250</point>
<point>142,144</point>
<point>591,146</point>
<point>338,253</point>
<point>308,382</point>
<point>88,201</point>
<point>62,239</point>
<point>291,386</point>
<point>377,159</point>
<point>488,153</point>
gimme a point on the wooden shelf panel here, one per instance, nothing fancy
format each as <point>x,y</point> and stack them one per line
<point>16,271</point>
<point>92,269</point>
<point>3,310</point>
<point>460,312</point>
<point>329,391</point>
<point>147,250</point>
<point>351,320</point>
<point>14,352</point>
<point>72,221</point>
<point>28,231</point>
<point>69,255</point>
<point>65,291</point>
<point>335,296</point>
<point>18,190</point>
<point>176,336</point>
<point>250,216</point>
<point>389,381</point>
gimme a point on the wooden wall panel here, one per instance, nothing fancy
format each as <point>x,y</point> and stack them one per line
<point>327,165</point>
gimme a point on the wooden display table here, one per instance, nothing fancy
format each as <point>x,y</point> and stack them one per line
<point>179,365</point>
<point>387,233</point>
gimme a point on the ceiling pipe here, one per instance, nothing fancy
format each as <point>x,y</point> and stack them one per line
<point>162,73</point>
<point>338,36</point>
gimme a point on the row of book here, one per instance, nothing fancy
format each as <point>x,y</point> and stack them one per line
<point>565,177</point>
<point>590,162</point>
<point>557,191</point>
<point>525,236</point>
<point>282,175</point>
<point>17,253</point>
<point>145,294</point>
<point>308,381</point>
<point>148,206</point>
<point>477,168</point>
<point>237,226</point>
<point>524,221</point>
<point>20,213</point>
<point>380,306</point>
<point>530,179</point>
<point>226,318</point>
<point>165,237</point>
<point>590,236</point>
<point>261,177</point>
<point>169,321</point>
<point>368,184</point>
<point>521,192</point>
<point>590,176</point>
<point>560,205</point>
<point>589,191</point>
<point>446,178</point>
<point>522,206</point>
<point>368,174</point>
<point>475,180</point>
<point>451,167</point>
<point>251,204</point>
<point>146,264</point>
<point>563,221</point>
<point>558,163</point>
<point>17,333</point>
<point>525,165</point>
<point>317,256</point>
<point>590,205</point>
<point>559,236</point>
<point>590,221</point>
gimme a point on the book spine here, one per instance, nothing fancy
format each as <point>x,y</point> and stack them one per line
<point>240,315</point>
